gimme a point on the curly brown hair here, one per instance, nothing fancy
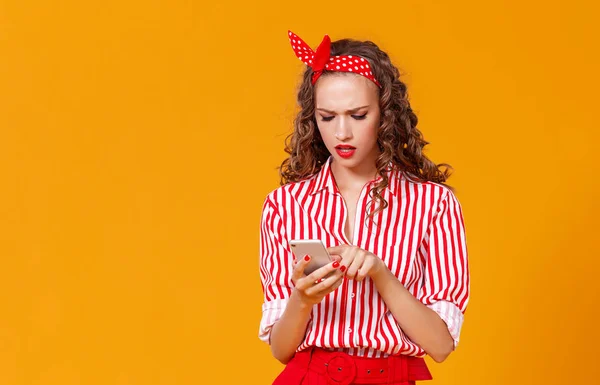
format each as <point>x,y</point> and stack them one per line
<point>400,142</point>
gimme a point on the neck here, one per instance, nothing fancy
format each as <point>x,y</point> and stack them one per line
<point>355,177</point>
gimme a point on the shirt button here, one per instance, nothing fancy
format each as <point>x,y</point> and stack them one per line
<point>349,330</point>
<point>352,295</point>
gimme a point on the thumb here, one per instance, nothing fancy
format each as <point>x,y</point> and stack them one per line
<point>335,250</point>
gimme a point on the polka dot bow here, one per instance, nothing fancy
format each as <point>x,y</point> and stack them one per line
<point>321,60</point>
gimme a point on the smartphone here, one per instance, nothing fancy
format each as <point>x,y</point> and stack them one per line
<point>319,256</point>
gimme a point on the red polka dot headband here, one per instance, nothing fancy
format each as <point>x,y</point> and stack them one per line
<point>320,60</point>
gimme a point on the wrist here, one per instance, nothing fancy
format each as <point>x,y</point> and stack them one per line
<point>299,302</point>
<point>380,271</point>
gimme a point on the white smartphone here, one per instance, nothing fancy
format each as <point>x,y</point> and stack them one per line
<point>319,256</point>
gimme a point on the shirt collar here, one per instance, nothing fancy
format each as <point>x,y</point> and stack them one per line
<point>325,180</point>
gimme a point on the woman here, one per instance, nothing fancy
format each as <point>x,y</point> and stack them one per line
<point>357,179</point>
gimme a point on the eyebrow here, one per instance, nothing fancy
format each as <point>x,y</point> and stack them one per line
<point>333,112</point>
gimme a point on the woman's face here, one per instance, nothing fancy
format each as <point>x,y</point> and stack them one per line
<point>347,114</point>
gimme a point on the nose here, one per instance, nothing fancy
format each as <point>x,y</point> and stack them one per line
<point>343,130</point>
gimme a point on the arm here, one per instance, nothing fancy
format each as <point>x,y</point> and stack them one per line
<point>288,332</point>
<point>420,323</point>
<point>433,319</point>
<point>275,262</point>
<point>289,295</point>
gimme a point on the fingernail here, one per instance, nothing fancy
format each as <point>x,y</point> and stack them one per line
<point>343,268</point>
<point>307,258</point>
<point>335,264</point>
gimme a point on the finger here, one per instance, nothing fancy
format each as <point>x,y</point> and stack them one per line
<point>333,287</point>
<point>323,271</point>
<point>317,276</point>
<point>325,285</point>
<point>299,267</point>
<point>337,249</point>
<point>364,270</point>
<point>348,258</point>
<point>356,264</point>
<point>336,271</point>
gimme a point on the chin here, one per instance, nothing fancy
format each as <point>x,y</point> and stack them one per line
<point>348,162</point>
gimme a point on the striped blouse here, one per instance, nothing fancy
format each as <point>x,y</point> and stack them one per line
<point>420,236</point>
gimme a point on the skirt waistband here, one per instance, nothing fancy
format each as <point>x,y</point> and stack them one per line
<point>343,369</point>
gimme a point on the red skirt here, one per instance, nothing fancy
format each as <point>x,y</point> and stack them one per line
<point>316,366</point>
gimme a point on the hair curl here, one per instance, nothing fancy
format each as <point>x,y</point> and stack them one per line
<point>399,140</point>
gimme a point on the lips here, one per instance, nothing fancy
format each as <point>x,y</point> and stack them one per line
<point>345,150</point>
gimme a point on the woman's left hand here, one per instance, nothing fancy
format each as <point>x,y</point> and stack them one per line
<point>358,263</point>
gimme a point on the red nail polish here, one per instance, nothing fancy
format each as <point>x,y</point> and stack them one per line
<point>343,268</point>
<point>335,264</point>
<point>307,258</point>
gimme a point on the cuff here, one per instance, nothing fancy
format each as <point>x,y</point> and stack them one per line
<point>271,312</point>
<point>451,315</point>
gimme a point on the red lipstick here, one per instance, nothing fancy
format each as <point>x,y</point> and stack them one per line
<point>345,150</point>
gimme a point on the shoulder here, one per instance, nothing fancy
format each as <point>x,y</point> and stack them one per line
<point>435,193</point>
<point>288,192</point>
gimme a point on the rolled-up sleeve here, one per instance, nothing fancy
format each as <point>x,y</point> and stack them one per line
<point>446,285</point>
<point>276,262</point>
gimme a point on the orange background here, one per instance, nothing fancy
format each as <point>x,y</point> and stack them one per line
<point>139,140</point>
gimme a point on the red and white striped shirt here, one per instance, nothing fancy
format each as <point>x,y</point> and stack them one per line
<point>420,236</point>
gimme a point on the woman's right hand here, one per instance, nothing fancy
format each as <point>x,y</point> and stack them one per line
<point>314,287</point>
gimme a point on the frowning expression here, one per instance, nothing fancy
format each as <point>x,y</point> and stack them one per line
<point>348,116</point>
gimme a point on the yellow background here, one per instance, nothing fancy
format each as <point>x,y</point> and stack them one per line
<point>139,139</point>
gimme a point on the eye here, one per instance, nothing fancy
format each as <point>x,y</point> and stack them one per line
<point>360,117</point>
<point>326,118</point>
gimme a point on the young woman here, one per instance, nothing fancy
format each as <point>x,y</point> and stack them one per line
<point>357,179</point>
